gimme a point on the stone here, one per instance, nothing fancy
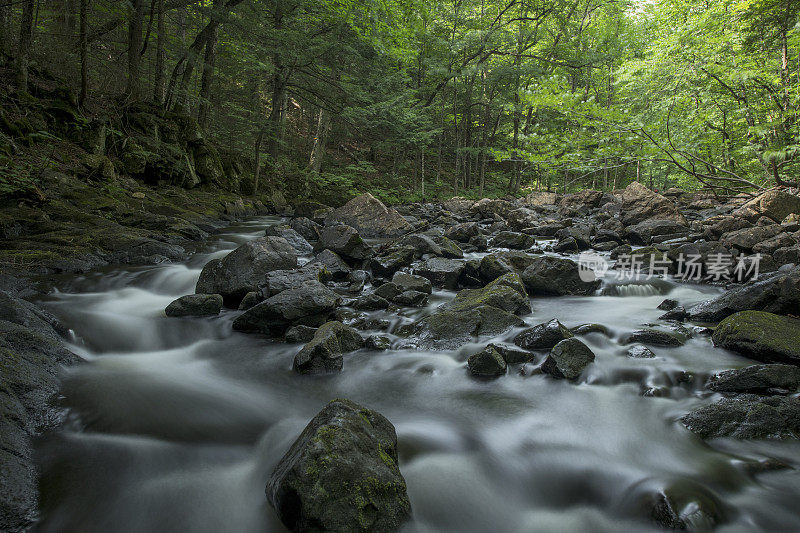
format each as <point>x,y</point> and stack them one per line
<point>278,281</point>
<point>344,241</point>
<point>775,204</point>
<point>556,276</point>
<point>648,231</point>
<point>299,334</point>
<point>297,241</point>
<point>195,305</point>
<point>371,302</point>
<point>761,336</point>
<point>388,291</point>
<point>640,203</point>
<point>788,255</point>
<point>566,245</point>
<point>506,292</point>
<point>392,260</point>
<point>369,217</point>
<point>462,232</point>
<point>757,379</point>
<point>511,354</point>
<point>640,351</point>
<point>441,272</point>
<point>411,298</point>
<point>447,329</point>
<point>323,353</point>
<point>487,363</point>
<point>653,337</point>
<point>685,505</point>
<point>410,282</point>
<point>568,359</point>
<point>543,336</point>
<point>306,227</point>
<point>746,239</point>
<point>341,474</point>
<point>496,264</point>
<point>309,305</point>
<point>333,263</point>
<point>777,293</point>
<point>769,246</point>
<point>667,305</point>
<point>585,329</point>
<point>378,343</point>
<point>513,240</point>
<point>747,416</point>
<point>250,299</point>
<point>587,198</point>
<point>243,270</point>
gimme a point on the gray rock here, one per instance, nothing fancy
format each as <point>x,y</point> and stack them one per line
<point>761,336</point>
<point>243,270</point>
<point>506,292</point>
<point>389,291</point>
<point>494,265</point>
<point>543,336</point>
<point>344,241</point>
<point>511,354</point>
<point>640,351</point>
<point>640,203</point>
<point>195,305</point>
<point>323,353</point>
<point>297,241</point>
<point>487,363</point>
<point>441,272</point>
<point>341,474</point>
<point>410,282</point>
<point>556,276</point>
<point>309,305</point>
<point>333,263</point>
<point>411,298</point>
<point>298,334</point>
<point>392,260</point>
<point>306,227</point>
<point>369,217</point>
<point>378,342</point>
<point>568,359</point>
<point>747,416</point>
<point>451,329</point>
<point>746,239</point>
<point>513,240</point>
<point>653,337</point>
<point>651,230</point>
<point>278,281</point>
<point>250,299</point>
<point>462,232</point>
<point>757,379</point>
<point>371,302</point>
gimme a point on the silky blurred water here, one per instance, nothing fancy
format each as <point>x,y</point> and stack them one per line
<point>175,424</point>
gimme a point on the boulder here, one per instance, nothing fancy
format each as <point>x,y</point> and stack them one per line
<point>300,334</point>
<point>543,336</point>
<point>441,272</point>
<point>513,240</point>
<point>334,264</point>
<point>496,264</point>
<point>344,241</point>
<point>653,337</point>
<point>506,292</point>
<point>370,302</point>
<point>746,239</point>
<point>388,291</point>
<point>458,205</point>
<point>556,276</point>
<point>487,363</point>
<point>281,280</point>
<point>297,241</point>
<point>323,353</point>
<point>568,359</point>
<point>540,198</point>
<point>308,305</point>
<point>774,204</point>
<point>511,354</point>
<point>775,293</point>
<point>757,379</point>
<point>587,199</point>
<point>378,343</point>
<point>640,203</point>
<point>685,505</point>
<point>392,260</point>
<point>411,298</point>
<point>244,269</point>
<point>410,282</point>
<point>195,305</point>
<point>450,329</point>
<point>761,336</point>
<point>747,416</point>
<point>462,232</point>
<point>640,351</point>
<point>369,217</point>
<point>655,230</point>
<point>341,474</point>
<point>306,227</point>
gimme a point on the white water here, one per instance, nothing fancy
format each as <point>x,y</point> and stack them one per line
<point>176,423</point>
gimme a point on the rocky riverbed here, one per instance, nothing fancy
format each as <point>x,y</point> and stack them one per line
<point>589,361</point>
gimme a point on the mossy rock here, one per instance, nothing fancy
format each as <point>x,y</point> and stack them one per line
<point>506,292</point>
<point>99,167</point>
<point>761,336</point>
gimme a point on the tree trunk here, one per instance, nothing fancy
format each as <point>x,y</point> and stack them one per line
<point>24,48</point>
<point>134,50</point>
<point>84,53</point>
<point>4,20</point>
<point>320,142</point>
<point>207,80</point>
<point>256,175</point>
<point>161,56</point>
<point>277,117</point>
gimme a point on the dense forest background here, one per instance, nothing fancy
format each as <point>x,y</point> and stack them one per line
<point>413,99</point>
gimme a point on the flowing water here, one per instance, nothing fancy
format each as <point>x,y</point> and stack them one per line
<point>175,424</point>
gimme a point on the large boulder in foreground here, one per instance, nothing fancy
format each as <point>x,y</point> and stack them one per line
<point>243,270</point>
<point>761,336</point>
<point>640,203</point>
<point>757,379</point>
<point>747,416</point>
<point>506,292</point>
<point>323,353</point>
<point>543,336</point>
<point>195,305</point>
<point>556,276</point>
<point>307,305</point>
<point>345,241</point>
<point>774,204</point>
<point>567,359</point>
<point>370,217</point>
<point>341,474</point>
<point>778,293</point>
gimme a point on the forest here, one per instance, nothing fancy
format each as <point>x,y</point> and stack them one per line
<point>416,100</point>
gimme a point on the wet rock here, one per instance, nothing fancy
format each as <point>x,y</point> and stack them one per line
<point>566,246</point>
<point>449,248</point>
<point>506,292</point>
<point>369,217</point>
<point>685,506</point>
<point>462,232</point>
<point>774,293</point>
<point>640,203</point>
<point>341,474</point>
<point>653,337</point>
<point>511,354</point>
<point>392,260</point>
<point>556,276</point>
<point>242,270</point>
<point>299,334</point>
<point>388,291</point>
<point>371,302</point>
<point>487,363</point>
<point>378,342</point>
<point>323,353</point>
<point>585,329</point>
<point>678,314</point>
<point>655,230</point>
<point>757,379</point>
<point>195,305</point>
<point>297,241</point>
<point>760,336</point>
<point>250,299</point>
<point>746,239</point>
<point>333,264</point>
<point>410,282</point>
<point>581,235</point>
<point>568,359</point>
<point>787,255</point>
<point>769,246</point>
<point>667,305</point>
<point>306,227</point>
<point>309,305</point>
<point>411,298</point>
<point>447,329</point>
<point>513,241</point>
<point>776,205</point>
<point>747,416</point>
<point>441,272</point>
<point>344,241</point>
<point>278,281</point>
<point>495,265</point>
<point>543,336</point>
<point>640,351</point>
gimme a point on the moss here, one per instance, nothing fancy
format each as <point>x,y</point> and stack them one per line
<point>761,335</point>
